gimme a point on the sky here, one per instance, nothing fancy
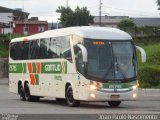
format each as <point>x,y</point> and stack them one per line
<point>46,9</point>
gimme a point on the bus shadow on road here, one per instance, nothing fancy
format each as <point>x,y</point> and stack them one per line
<point>95,105</point>
<point>53,102</point>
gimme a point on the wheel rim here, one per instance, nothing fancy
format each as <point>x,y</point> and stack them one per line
<point>21,92</point>
<point>70,96</point>
<point>27,93</point>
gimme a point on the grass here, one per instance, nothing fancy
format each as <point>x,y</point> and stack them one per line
<point>4,43</point>
<point>149,72</point>
<point>3,51</point>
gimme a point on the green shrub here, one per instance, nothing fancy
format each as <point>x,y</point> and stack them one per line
<point>149,76</point>
<point>3,51</point>
<point>149,72</point>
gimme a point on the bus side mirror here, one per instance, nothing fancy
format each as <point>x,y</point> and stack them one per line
<point>84,52</point>
<point>143,54</point>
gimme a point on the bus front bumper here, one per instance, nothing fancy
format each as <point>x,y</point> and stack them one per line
<point>112,95</point>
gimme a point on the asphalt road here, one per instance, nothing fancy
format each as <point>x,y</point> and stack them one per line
<point>147,103</point>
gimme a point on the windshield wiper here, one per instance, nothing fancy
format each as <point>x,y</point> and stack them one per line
<point>118,68</point>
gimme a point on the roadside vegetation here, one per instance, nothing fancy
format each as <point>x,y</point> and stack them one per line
<point>4,44</point>
<point>149,72</point>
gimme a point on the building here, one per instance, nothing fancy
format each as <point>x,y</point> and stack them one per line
<point>109,21</point>
<point>52,26</point>
<point>16,21</point>
<point>7,16</point>
<point>113,21</point>
<point>146,21</point>
<point>32,26</point>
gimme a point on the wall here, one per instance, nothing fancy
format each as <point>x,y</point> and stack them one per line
<point>4,17</point>
<point>32,28</point>
<point>3,67</point>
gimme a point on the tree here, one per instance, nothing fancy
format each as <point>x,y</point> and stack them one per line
<point>129,26</point>
<point>78,17</point>
<point>126,24</point>
<point>158,2</point>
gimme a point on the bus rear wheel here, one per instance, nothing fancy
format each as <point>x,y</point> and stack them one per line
<point>29,97</point>
<point>70,99</point>
<point>114,103</point>
<point>21,92</point>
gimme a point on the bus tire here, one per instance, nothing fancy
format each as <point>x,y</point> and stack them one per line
<point>70,99</point>
<point>28,97</point>
<point>114,103</point>
<point>21,92</point>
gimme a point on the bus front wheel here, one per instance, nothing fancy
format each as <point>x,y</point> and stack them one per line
<point>70,99</point>
<point>114,103</point>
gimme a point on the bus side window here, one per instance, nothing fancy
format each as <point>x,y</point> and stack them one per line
<point>54,48</point>
<point>16,51</point>
<point>65,48</point>
<point>12,50</point>
<point>34,49</point>
<point>43,53</point>
<point>25,50</point>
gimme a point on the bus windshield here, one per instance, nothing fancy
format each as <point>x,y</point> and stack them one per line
<point>110,60</point>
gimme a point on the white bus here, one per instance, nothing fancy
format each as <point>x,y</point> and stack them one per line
<point>77,64</point>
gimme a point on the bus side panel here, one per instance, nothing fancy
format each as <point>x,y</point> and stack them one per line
<point>13,82</point>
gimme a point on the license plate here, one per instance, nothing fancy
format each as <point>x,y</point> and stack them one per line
<point>115,96</point>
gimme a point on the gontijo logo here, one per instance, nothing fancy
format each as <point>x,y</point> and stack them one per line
<point>54,67</point>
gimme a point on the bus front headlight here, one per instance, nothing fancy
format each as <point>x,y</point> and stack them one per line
<point>92,87</point>
<point>135,87</point>
<point>134,95</point>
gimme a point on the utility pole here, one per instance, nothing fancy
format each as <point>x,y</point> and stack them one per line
<point>10,24</point>
<point>100,7</point>
<point>67,3</point>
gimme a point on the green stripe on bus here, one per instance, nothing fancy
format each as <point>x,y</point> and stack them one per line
<point>24,67</point>
<point>65,64</point>
<point>17,68</point>
<point>46,67</point>
<point>122,85</point>
<point>33,68</point>
<point>37,79</point>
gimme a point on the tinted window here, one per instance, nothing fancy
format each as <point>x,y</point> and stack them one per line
<point>34,49</point>
<point>16,51</point>
<point>25,50</point>
<point>57,47</point>
<point>43,52</point>
<point>54,50</point>
<point>12,50</point>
